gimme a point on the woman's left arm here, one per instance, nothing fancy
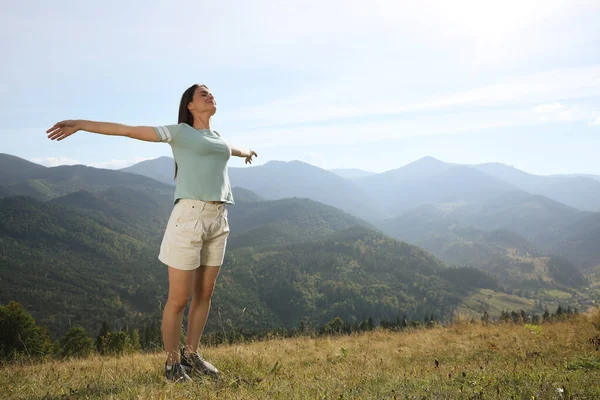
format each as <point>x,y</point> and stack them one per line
<point>244,153</point>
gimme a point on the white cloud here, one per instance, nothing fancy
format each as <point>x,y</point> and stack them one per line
<point>364,131</point>
<point>349,133</point>
<point>567,115</point>
<point>55,161</point>
<point>558,112</point>
<point>548,108</point>
<point>315,104</point>
<point>596,122</point>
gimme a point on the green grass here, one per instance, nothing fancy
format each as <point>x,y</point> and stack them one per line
<point>557,294</point>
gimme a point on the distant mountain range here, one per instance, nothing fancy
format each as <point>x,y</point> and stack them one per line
<point>279,180</point>
<point>425,181</point>
<point>23,178</point>
<point>81,259</point>
<point>551,212</point>
<point>487,196</point>
<point>577,191</point>
<point>297,231</point>
<point>512,259</point>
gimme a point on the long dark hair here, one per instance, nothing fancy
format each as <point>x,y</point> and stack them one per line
<point>185,115</point>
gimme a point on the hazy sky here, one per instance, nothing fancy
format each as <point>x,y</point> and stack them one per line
<point>341,84</point>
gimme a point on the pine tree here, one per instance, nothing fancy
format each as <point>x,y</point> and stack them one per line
<point>135,339</point>
<point>505,316</point>
<point>546,316</point>
<point>485,318</point>
<point>101,338</point>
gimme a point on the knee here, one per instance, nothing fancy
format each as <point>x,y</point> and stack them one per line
<point>177,304</point>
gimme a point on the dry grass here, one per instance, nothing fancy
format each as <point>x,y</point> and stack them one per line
<point>475,361</point>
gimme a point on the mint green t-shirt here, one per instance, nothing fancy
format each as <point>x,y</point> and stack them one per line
<point>201,157</point>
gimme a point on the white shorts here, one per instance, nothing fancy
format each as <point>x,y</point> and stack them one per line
<point>196,235</point>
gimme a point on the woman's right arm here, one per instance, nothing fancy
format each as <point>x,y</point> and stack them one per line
<point>63,129</point>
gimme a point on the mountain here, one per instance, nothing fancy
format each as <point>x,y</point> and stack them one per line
<point>579,192</point>
<point>523,213</point>
<point>243,196</point>
<point>82,264</point>
<point>48,183</point>
<point>276,180</point>
<point>68,268</point>
<point>596,177</point>
<point>351,274</point>
<point>422,168</point>
<point>576,241</point>
<point>285,221</point>
<point>162,169</point>
<point>425,181</point>
<point>352,173</point>
<point>552,228</point>
<point>510,258</point>
<point>123,210</point>
<point>95,237</point>
<point>543,222</point>
<point>14,168</point>
<point>429,181</point>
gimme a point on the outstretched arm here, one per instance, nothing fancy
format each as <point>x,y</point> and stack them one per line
<point>245,153</point>
<point>63,129</point>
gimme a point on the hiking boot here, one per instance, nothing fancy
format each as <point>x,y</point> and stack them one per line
<point>176,373</point>
<point>194,362</point>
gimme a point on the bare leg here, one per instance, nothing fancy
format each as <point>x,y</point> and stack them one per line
<point>180,288</point>
<point>203,287</point>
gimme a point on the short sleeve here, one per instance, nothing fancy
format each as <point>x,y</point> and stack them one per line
<point>227,142</point>
<point>166,133</point>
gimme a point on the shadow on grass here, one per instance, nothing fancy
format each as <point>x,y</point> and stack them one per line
<point>101,390</point>
<point>94,390</point>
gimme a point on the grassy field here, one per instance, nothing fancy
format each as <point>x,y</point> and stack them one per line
<point>557,294</point>
<point>474,361</point>
<point>493,302</point>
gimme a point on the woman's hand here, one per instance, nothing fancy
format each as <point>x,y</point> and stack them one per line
<point>244,153</point>
<point>63,129</point>
<point>249,156</point>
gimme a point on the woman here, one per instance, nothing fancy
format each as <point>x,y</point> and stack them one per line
<point>194,242</point>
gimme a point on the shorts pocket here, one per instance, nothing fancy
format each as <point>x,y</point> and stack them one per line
<point>188,220</point>
<point>193,226</point>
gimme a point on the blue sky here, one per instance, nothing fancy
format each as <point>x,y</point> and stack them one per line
<point>340,84</point>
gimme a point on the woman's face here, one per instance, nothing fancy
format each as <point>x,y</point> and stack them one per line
<point>203,101</point>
